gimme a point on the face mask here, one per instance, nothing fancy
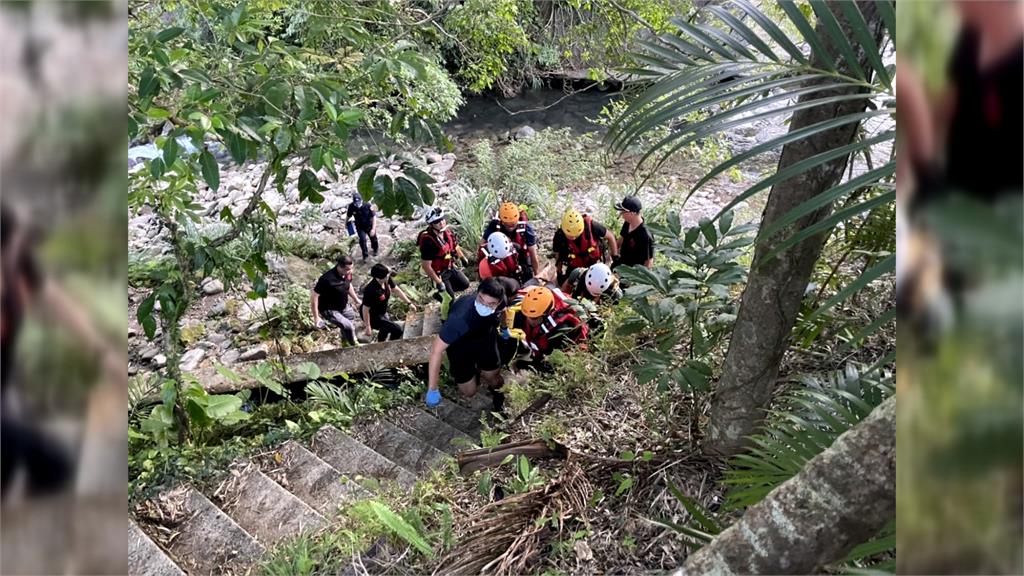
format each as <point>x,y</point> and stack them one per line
<point>483,309</point>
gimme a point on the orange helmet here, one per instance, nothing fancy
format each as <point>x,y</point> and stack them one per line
<point>508,214</point>
<point>537,301</point>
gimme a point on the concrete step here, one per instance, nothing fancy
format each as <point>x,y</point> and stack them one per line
<point>145,557</point>
<point>210,542</point>
<point>458,417</point>
<point>351,457</point>
<point>267,511</point>
<point>432,430</point>
<point>431,321</point>
<point>398,445</point>
<point>314,481</point>
<point>413,325</point>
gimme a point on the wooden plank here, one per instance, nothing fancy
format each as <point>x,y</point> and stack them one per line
<point>367,358</point>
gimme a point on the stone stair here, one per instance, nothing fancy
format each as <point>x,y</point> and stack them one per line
<point>294,490</point>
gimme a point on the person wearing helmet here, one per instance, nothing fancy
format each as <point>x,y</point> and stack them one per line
<point>547,322</point>
<point>376,296</point>
<point>365,224</point>
<point>597,283</point>
<point>577,243</point>
<point>469,337</point>
<point>499,259</point>
<point>438,250</point>
<point>635,240</point>
<point>513,223</point>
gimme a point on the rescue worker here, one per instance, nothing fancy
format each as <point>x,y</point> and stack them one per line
<point>577,243</point>
<point>513,223</point>
<point>438,251</point>
<point>498,259</point>
<point>546,322</point>
<point>469,337</point>
<point>361,214</point>
<point>376,296</point>
<point>597,283</point>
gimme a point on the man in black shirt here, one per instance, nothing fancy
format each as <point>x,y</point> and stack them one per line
<point>330,300</point>
<point>366,223</point>
<point>376,296</point>
<point>636,245</point>
<point>470,338</point>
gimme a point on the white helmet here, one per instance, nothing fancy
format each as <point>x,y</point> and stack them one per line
<point>433,215</point>
<point>598,279</point>
<point>499,246</point>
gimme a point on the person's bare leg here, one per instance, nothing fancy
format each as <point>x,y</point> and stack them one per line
<point>492,379</point>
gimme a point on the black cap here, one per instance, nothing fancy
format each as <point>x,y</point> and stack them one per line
<point>629,204</point>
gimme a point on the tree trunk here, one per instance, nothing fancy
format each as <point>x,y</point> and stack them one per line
<point>840,499</point>
<point>774,291</point>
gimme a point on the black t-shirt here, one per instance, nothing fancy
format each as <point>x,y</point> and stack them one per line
<point>376,297</point>
<point>560,244</point>
<point>22,280</point>
<point>528,234</point>
<point>464,324</point>
<point>333,290</point>
<point>637,246</point>
<point>984,148</point>
<point>363,215</point>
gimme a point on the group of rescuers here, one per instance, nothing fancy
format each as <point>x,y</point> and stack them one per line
<point>519,312</point>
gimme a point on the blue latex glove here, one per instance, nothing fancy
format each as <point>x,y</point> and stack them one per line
<point>433,398</point>
<point>505,334</point>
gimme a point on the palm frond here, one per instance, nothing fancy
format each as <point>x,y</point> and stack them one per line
<point>806,422</point>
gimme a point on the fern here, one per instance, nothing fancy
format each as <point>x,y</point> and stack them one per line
<point>401,528</point>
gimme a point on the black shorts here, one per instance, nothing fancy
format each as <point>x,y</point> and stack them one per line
<point>472,355</point>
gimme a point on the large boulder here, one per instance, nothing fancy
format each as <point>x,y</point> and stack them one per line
<point>525,132</point>
<point>212,286</point>
<point>190,360</point>
<point>254,309</point>
<point>295,269</point>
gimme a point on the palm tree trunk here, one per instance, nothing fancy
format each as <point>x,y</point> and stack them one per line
<point>842,497</point>
<point>774,290</point>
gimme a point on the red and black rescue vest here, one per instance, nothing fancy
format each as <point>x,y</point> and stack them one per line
<point>585,250</point>
<point>446,248</point>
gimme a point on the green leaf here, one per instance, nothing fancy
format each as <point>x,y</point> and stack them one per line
<point>628,455</point>
<point>170,150</point>
<point>156,168</point>
<point>818,51</point>
<point>144,314</point>
<point>418,175</point>
<point>828,223</point>
<point>865,39</point>
<point>887,265</point>
<point>310,187</point>
<point>703,519</point>
<point>364,184</point>
<point>708,230</point>
<point>401,528</point>
<point>169,34</point>
<point>363,161</point>
<point>154,113</point>
<point>838,35</point>
<point>725,223</point>
<point>211,170</point>
<point>148,83</point>
<point>776,33</point>
<point>310,370</point>
<point>350,117</point>
<point>523,466</point>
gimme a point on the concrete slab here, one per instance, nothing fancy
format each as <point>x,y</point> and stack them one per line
<point>457,416</point>
<point>145,557</point>
<point>269,512</point>
<point>398,445</point>
<point>413,326</point>
<point>353,458</point>
<point>314,481</point>
<point>434,431</point>
<point>210,542</point>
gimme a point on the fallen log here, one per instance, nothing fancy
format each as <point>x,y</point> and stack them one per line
<point>473,460</point>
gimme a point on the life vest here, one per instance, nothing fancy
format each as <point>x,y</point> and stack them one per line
<point>493,267</point>
<point>562,320</point>
<point>446,248</point>
<point>584,250</point>
<point>517,236</point>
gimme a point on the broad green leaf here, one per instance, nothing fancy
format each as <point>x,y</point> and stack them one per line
<point>170,150</point>
<point>156,168</point>
<point>144,314</point>
<point>211,170</point>
<point>364,184</point>
<point>155,113</point>
<point>310,370</point>
<point>310,187</point>
<point>169,34</point>
<point>365,160</point>
<point>148,83</point>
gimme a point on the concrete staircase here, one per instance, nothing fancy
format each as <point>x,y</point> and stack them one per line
<point>294,490</point>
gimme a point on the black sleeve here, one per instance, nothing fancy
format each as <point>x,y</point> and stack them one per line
<point>558,243</point>
<point>490,229</point>
<point>650,244</point>
<point>428,249</point>
<point>322,287</point>
<point>598,229</point>
<point>351,210</point>
<point>391,283</point>
<point>625,229</point>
